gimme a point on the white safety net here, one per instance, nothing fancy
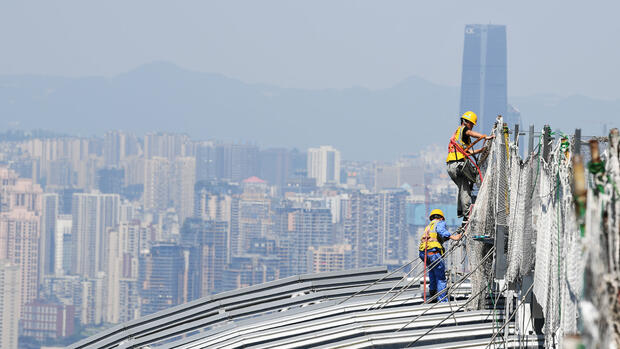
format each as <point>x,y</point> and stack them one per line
<point>601,304</point>
<point>534,200</point>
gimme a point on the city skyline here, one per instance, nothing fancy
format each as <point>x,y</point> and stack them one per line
<point>156,158</point>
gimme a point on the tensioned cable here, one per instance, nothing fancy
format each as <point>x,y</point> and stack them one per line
<point>416,279</point>
<point>447,317</point>
<point>453,286</point>
<point>413,281</point>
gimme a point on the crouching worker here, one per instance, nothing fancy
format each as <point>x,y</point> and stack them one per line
<point>431,253</point>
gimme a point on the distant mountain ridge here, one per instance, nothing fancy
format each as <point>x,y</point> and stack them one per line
<point>362,123</point>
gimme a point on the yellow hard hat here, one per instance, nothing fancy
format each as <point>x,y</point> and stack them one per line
<point>470,116</point>
<point>437,211</point>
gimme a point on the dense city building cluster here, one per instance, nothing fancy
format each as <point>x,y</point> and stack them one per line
<point>99,231</point>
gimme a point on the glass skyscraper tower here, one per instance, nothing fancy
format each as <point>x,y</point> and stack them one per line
<point>483,83</point>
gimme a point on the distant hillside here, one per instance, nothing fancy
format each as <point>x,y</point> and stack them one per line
<point>363,123</point>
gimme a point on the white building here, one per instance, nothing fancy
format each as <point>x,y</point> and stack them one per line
<point>324,165</point>
<point>156,184</point>
<point>10,295</point>
<point>64,224</point>
<point>93,214</point>
<point>182,181</point>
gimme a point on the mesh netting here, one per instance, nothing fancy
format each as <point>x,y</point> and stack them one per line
<point>601,306</point>
<point>482,221</point>
<point>534,199</point>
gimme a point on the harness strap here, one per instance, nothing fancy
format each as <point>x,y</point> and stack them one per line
<point>462,151</point>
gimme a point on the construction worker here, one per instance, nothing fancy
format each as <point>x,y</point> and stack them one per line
<point>456,160</point>
<point>431,252</point>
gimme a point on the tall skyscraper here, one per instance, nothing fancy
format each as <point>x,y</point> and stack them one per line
<point>167,145</point>
<point>307,227</point>
<point>205,161</point>
<point>93,215</point>
<point>376,227</point>
<point>19,244</point>
<point>162,278</point>
<point>63,246</point>
<point>250,215</point>
<point>236,162</point>
<point>117,145</point>
<point>324,165</point>
<point>156,184</point>
<point>275,165</point>
<point>10,309</point>
<point>182,181</point>
<point>484,79</point>
<point>48,234</point>
<point>20,219</point>
<point>208,243</point>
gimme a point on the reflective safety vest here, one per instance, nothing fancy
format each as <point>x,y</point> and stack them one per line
<point>430,237</point>
<point>459,137</point>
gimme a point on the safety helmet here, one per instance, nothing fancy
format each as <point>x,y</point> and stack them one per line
<point>436,212</point>
<point>470,116</point>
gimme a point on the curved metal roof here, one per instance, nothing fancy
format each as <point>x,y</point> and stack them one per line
<point>337,309</point>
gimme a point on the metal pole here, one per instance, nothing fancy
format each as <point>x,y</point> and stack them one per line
<point>530,142</point>
<point>517,134</point>
<point>577,145</point>
<point>546,142</point>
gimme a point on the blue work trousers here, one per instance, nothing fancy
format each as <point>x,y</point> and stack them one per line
<point>436,274</point>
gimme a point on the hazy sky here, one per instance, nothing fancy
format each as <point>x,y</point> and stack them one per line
<point>560,47</point>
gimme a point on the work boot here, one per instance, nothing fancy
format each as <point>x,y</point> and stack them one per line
<point>431,294</point>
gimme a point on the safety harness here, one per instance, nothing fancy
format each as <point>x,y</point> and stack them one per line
<point>455,147</point>
<point>430,237</point>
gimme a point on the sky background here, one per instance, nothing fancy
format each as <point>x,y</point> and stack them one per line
<point>554,47</point>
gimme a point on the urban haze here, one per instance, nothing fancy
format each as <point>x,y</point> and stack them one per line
<point>154,153</point>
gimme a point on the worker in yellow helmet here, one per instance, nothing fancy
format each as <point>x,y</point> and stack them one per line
<point>457,158</point>
<point>431,252</point>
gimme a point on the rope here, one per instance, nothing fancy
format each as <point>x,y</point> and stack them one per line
<point>454,286</point>
<point>376,282</point>
<point>462,151</point>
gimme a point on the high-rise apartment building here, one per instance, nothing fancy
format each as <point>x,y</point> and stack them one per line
<point>48,233</point>
<point>63,246</point>
<point>324,165</point>
<point>182,181</point>
<point>205,161</point>
<point>20,223</point>
<point>208,244</point>
<point>163,278</point>
<point>156,184</point>
<point>93,214</point>
<point>250,215</point>
<point>275,166</point>
<point>484,77</point>
<point>307,227</point>
<point>236,162</point>
<point>167,145</point>
<point>19,243</point>
<point>329,258</point>
<point>10,298</point>
<point>248,270</point>
<point>118,145</point>
<point>376,227</point>
<point>91,300</point>
<point>110,180</point>
<point>45,320</point>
